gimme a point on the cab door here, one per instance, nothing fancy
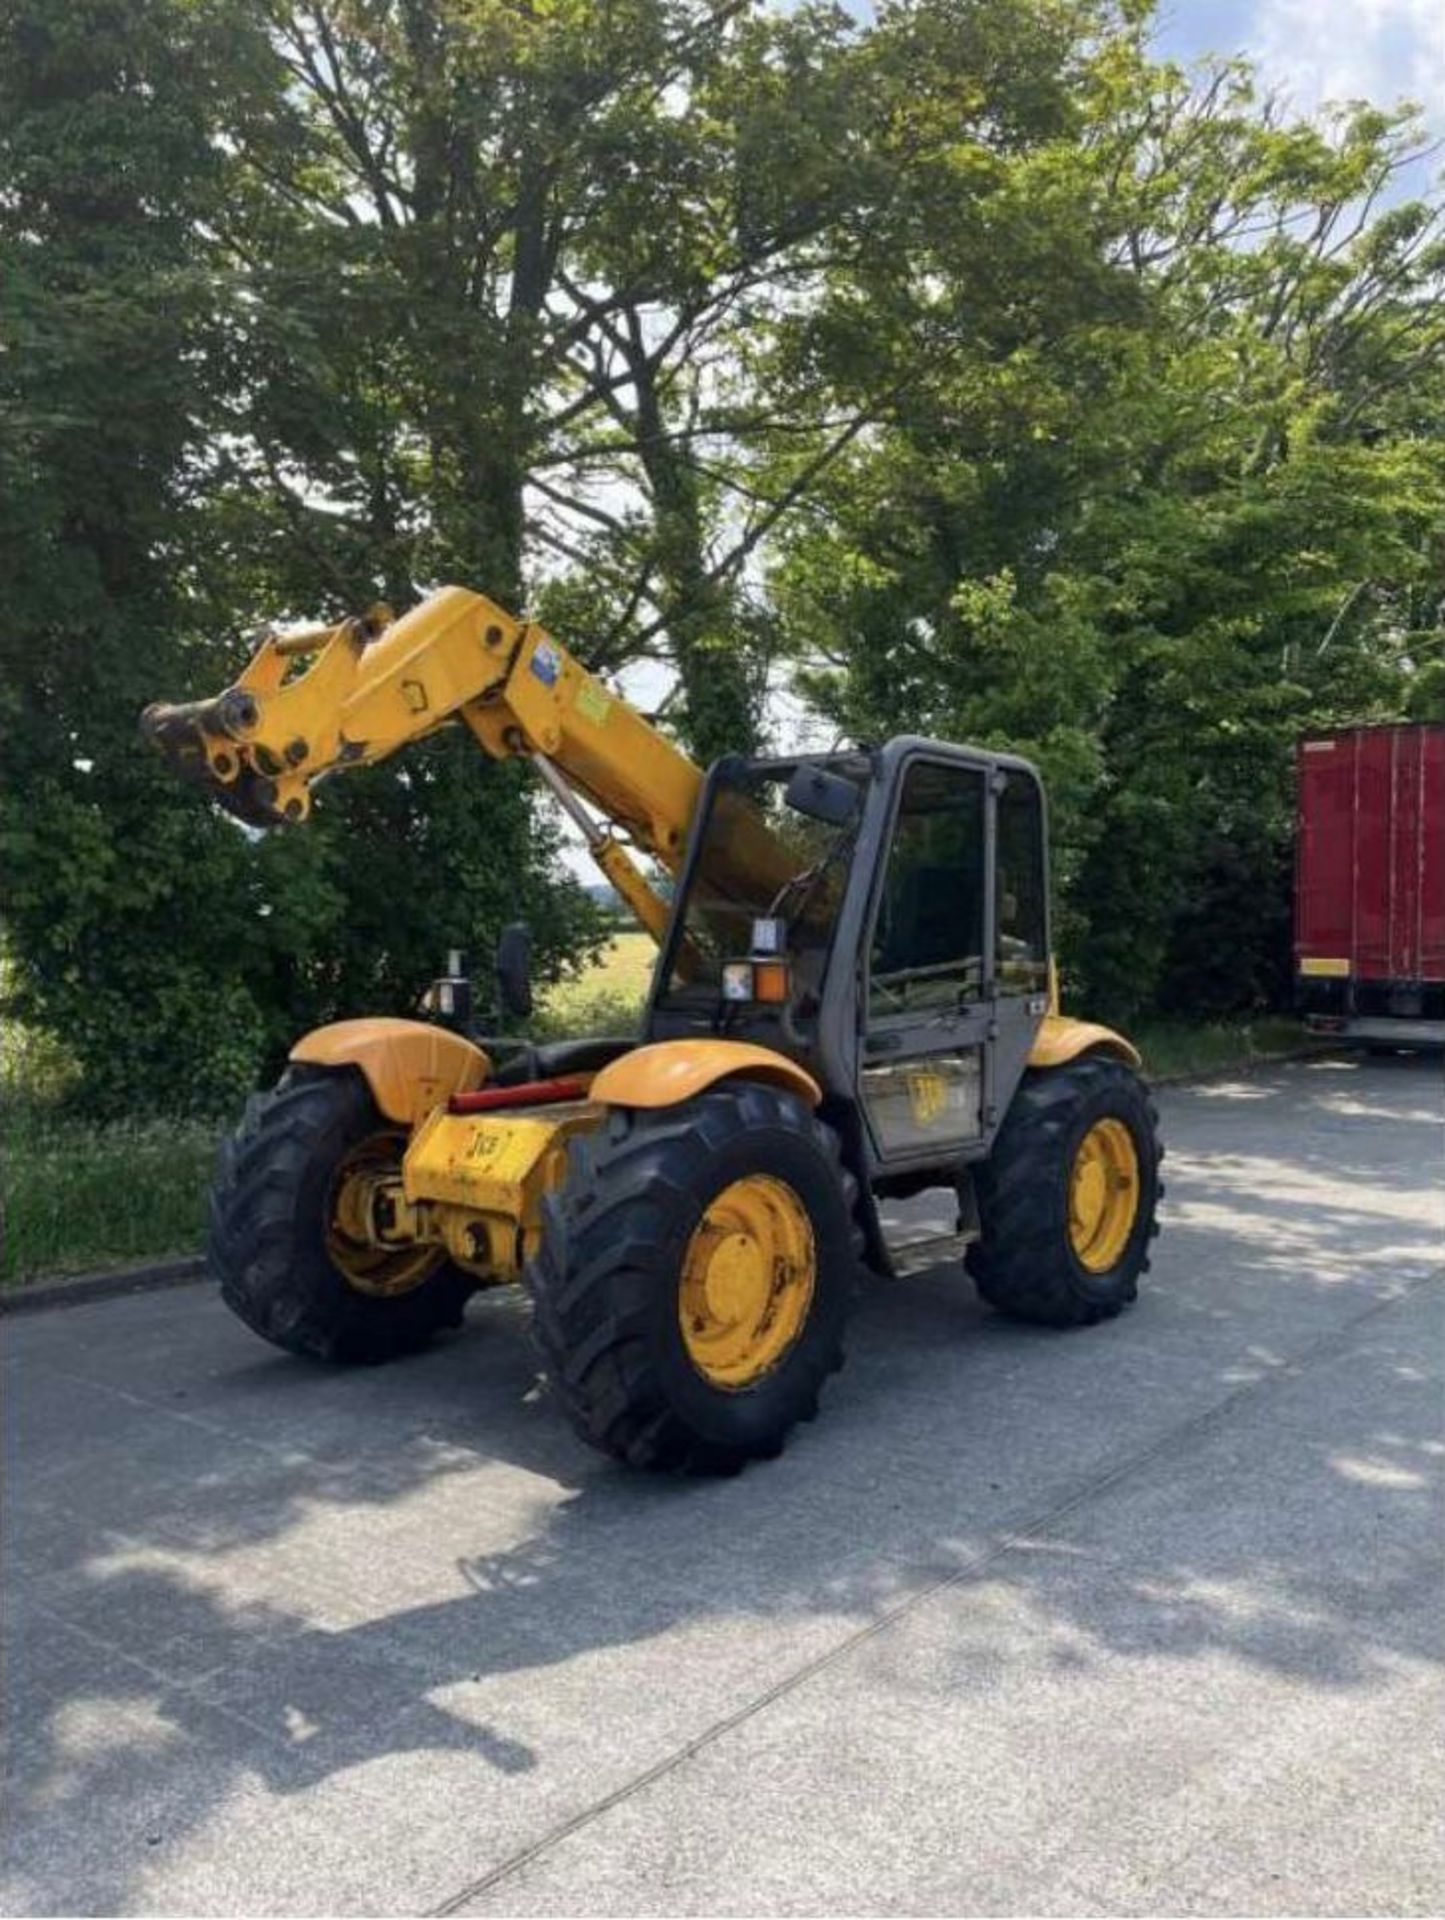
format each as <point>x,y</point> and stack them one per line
<point>927,984</point>
<point>956,974</point>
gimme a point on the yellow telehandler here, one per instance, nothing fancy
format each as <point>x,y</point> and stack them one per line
<point>853,999</point>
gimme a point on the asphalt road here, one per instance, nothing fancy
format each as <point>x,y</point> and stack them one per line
<point>1145,1617</point>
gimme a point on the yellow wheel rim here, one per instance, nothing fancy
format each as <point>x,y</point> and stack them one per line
<point>1103,1195</point>
<point>747,1282</point>
<point>382,1272</point>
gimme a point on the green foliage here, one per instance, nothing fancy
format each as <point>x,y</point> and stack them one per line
<point>175,956</point>
<point>963,367</point>
<point>1162,484</point>
<point>109,161</point>
<point>81,1193</point>
<point>613,1012</point>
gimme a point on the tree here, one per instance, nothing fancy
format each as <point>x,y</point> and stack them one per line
<point>500,265</point>
<point>172,956</point>
<point>109,888</point>
<point>965,364</point>
<point>1168,492</point>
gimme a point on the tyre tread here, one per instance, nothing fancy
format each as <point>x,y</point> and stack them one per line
<point>1021,1263</point>
<point>260,1250</point>
<point>602,1252</point>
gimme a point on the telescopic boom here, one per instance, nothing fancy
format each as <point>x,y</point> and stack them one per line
<point>375,683</point>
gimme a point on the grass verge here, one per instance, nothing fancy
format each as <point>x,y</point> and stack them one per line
<point>79,1195</point>
<point>1174,1049</point>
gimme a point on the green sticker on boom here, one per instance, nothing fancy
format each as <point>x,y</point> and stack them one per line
<point>592,703</point>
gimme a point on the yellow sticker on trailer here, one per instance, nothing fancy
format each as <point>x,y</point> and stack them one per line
<point>1320,969</point>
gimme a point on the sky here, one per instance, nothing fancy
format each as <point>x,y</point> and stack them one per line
<point>1318,50</point>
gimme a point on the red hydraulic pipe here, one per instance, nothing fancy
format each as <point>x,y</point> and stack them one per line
<point>531,1093</point>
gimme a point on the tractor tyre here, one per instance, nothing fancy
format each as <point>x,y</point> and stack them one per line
<point>1067,1199</point>
<point>693,1277</point>
<point>278,1250</point>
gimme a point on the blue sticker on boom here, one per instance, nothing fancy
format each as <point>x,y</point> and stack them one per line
<point>546,663</point>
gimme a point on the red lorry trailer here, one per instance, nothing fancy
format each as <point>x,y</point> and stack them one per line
<point>1369,928</point>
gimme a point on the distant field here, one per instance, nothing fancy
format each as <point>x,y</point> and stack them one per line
<point>606,997</point>
<point>624,967</point>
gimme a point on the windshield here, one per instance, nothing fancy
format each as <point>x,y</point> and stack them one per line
<point>758,857</point>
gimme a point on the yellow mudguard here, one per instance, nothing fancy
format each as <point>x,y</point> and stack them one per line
<point>410,1067</point>
<point>1060,1040</point>
<point>669,1071</point>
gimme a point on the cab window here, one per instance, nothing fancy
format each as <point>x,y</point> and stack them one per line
<point>927,948</point>
<point>1021,961</point>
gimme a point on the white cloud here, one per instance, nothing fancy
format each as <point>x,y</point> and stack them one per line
<point>1379,50</point>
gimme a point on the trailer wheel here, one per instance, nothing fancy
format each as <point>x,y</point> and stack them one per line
<point>692,1279</point>
<point>1067,1199</point>
<point>284,1247</point>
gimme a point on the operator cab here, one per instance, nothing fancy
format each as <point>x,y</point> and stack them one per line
<point>882,917</point>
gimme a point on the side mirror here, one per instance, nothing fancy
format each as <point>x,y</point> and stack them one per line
<point>820,795</point>
<point>514,969</point>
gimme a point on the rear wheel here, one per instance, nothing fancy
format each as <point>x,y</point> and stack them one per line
<point>1068,1197</point>
<point>693,1276</point>
<point>287,1244</point>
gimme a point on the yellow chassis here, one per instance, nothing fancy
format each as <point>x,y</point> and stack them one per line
<point>473,1183</point>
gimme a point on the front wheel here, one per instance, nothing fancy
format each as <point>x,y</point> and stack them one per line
<point>1068,1197</point>
<point>692,1278</point>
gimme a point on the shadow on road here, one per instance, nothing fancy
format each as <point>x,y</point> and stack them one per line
<point>231,1574</point>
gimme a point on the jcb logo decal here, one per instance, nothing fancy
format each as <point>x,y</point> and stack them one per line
<point>927,1097</point>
